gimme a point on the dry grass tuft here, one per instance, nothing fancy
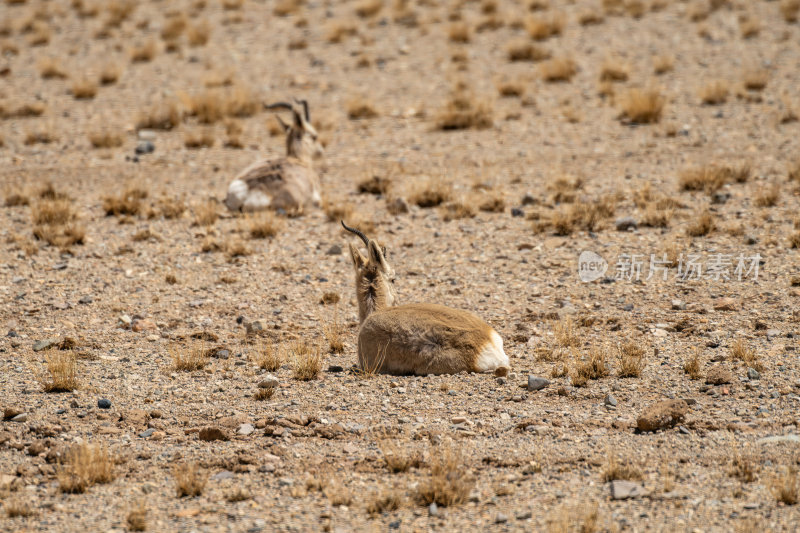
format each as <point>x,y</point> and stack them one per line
<point>594,367</point>
<point>397,459</point>
<point>306,360</point>
<point>360,108</point>
<point>15,199</point>
<point>431,193</point>
<point>338,31</point>
<point>458,210</point>
<point>614,470</point>
<point>83,89</point>
<point>189,480</point>
<point>614,70</point>
<point>544,27</point>
<point>106,138</point>
<point>265,225</point>
<point>85,465</point>
<point>711,178</point>
<point>768,197</point>
<point>786,487</point>
<point>663,63</point>
<point>262,395</point>
<point>559,69</point>
<point>334,333</point>
<point>790,10</point>
<point>144,52</point>
<point>741,351</point>
<point>692,367</point>
<point>170,208</point>
<point>464,111</point>
<point>525,51</point>
<point>749,26</point>
<point>459,32</point>
<point>161,116</point>
<point>375,184</point>
<point>642,106</point>
<point>62,372</point>
<point>195,357</point>
<point>368,8</point>
<point>742,467</point>
<point>50,68</point>
<point>631,359</point>
<point>755,79</point>
<point>137,517</point>
<point>701,225</point>
<point>55,222</point>
<point>202,138</point>
<point>18,507</point>
<point>266,356</point>
<point>449,482</point>
<point>384,502</point>
<point>715,92</point>
<point>565,333</point>
<point>128,203</point>
<point>198,34</point>
<point>206,214</point>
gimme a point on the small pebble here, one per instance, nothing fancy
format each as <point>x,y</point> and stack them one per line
<point>102,403</point>
<point>433,509</point>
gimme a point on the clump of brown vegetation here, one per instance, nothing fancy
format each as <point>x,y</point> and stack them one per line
<point>449,481</point>
<point>631,360</point>
<point>161,116</point>
<point>55,222</point>
<point>701,225</point>
<point>749,26</point>
<point>525,51</point>
<point>202,138</point>
<point>267,356</point>
<point>458,209</point>
<point>742,467</point>
<point>49,68</point>
<point>642,106</point>
<point>786,487</point>
<point>129,202</point>
<point>586,216</point>
<point>18,507</point>
<point>711,178</point>
<point>306,360</point>
<point>768,197</point>
<point>397,459</point>
<point>212,105</point>
<point>459,32</point>
<point>591,368</point>
<point>169,208</point>
<point>384,502</point>
<point>558,69</point>
<point>264,226</point>
<point>198,34</point>
<point>741,351</point>
<point>195,357</point>
<point>137,517</point>
<point>431,193</point>
<point>360,108</point>
<point>511,89</point>
<point>106,138</point>
<point>144,52</point>
<point>755,79</point>
<point>16,198</point>
<point>464,111</point>
<point>189,480</point>
<point>368,8</point>
<point>692,367</point>
<point>62,372</point>
<point>790,9</point>
<point>206,214</point>
<point>614,470</point>
<point>338,31</point>
<point>375,184</point>
<point>544,27</point>
<point>85,465</point>
<point>663,63</point>
<point>614,70</point>
<point>715,92</point>
<point>333,332</point>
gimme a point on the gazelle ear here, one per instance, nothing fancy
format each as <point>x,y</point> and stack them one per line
<point>376,256</point>
<point>284,125</point>
<point>358,259</point>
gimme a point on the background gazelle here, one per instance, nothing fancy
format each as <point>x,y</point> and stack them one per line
<point>416,338</point>
<point>289,183</point>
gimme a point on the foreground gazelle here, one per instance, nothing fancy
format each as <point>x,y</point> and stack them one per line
<point>288,183</point>
<point>416,338</point>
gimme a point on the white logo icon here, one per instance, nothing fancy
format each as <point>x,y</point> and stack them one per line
<point>591,266</point>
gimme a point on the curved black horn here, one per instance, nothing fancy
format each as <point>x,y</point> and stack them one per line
<point>305,110</point>
<point>279,105</point>
<point>357,232</point>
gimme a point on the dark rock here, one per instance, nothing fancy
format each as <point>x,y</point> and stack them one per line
<point>334,250</point>
<point>86,300</point>
<point>102,403</point>
<point>145,147</point>
<point>626,223</point>
<point>536,383</point>
<point>517,212</point>
<point>335,368</point>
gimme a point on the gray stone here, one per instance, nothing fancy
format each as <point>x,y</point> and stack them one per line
<point>145,147</point>
<point>246,429</point>
<point>610,400</point>
<point>334,250</point>
<point>433,509</point>
<point>752,373</point>
<point>622,489</point>
<point>147,433</point>
<point>103,403</point>
<point>500,519</point>
<point>536,383</point>
<point>678,305</point>
<point>625,223</point>
<point>147,135</point>
<point>501,380</point>
<point>44,344</point>
<point>517,212</point>
<point>225,474</point>
<point>776,439</point>
<point>256,326</point>
<point>773,333</point>
<point>22,417</point>
<point>268,382</point>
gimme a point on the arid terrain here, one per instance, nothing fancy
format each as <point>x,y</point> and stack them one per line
<point>166,365</point>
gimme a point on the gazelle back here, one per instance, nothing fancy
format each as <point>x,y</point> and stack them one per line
<point>288,183</point>
<point>416,338</point>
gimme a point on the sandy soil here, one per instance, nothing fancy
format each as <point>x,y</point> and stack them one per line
<point>314,455</point>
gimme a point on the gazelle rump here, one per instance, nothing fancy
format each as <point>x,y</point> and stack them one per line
<point>416,338</point>
<point>289,183</point>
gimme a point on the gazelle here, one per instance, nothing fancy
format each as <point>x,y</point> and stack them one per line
<point>288,183</point>
<point>416,338</point>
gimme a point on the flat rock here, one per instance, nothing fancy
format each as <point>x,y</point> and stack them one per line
<point>268,382</point>
<point>623,490</point>
<point>536,383</point>
<point>718,375</point>
<point>777,439</point>
<point>211,433</point>
<point>662,415</point>
<point>44,344</point>
<point>726,304</point>
<point>245,429</point>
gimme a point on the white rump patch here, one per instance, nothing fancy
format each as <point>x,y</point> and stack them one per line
<point>492,355</point>
<point>256,200</point>
<point>237,194</point>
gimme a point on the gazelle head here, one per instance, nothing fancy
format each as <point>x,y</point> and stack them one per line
<point>301,137</point>
<point>374,277</point>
